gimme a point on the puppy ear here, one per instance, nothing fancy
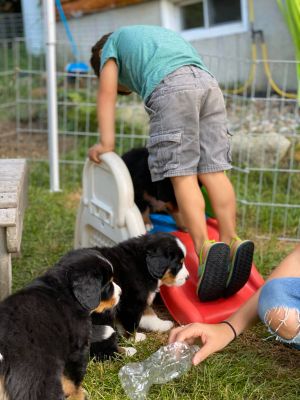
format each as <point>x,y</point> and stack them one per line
<point>157,265</point>
<point>87,290</point>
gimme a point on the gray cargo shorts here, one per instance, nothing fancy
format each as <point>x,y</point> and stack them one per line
<point>188,125</point>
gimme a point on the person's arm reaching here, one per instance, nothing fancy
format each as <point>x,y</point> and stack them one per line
<point>215,337</point>
<point>106,104</point>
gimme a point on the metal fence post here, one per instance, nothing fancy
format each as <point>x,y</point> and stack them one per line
<point>49,10</point>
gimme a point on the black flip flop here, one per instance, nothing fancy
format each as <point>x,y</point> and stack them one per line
<point>214,272</point>
<point>240,267</point>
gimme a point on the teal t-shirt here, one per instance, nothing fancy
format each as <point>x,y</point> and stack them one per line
<point>145,54</point>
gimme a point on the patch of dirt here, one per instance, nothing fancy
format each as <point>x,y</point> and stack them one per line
<point>27,144</point>
<point>73,199</point>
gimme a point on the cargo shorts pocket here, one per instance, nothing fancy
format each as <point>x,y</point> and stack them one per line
<point>229,154</point>
<point>164,151</point>
<point>149,110</point>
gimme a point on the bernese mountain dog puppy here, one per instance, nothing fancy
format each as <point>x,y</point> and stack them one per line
<point>141,266</point>
<point>45,328</point>
<point>150,197</point>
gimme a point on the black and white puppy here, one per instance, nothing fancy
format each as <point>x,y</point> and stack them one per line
<point>45,328</point>
<point>150,197</point>
<point>141,266</point>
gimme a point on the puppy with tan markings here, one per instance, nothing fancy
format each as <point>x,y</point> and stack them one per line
<point>151,197</point>
<point>141,266</point>
<point>45,328</point>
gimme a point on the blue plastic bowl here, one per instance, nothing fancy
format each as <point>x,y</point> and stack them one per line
<point>77,68</point>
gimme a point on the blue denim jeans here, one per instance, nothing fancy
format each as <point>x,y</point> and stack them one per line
<point>283,295</point>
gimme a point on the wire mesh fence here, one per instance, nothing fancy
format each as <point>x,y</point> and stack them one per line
<point>265,127</point>
<point>11,25</point>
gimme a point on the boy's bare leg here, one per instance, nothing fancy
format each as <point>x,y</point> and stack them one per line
<point>222,197</point>
<point>212,282</point>
<point>221,193</point>
<point>192,207</point>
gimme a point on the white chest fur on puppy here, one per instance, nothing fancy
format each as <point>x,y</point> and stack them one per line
<point>150,321</point>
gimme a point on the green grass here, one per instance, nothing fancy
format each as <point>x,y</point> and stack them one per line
<point>248,369</point>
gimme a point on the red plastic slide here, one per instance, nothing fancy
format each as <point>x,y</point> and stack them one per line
<point>183,303</point>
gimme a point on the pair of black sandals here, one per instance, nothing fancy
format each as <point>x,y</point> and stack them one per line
<point>221,275</point>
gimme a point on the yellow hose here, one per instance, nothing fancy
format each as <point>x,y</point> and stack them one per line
<point>251,11</point>
<point>252,73</point>
<point>267,70</point>
<point>269,75</point>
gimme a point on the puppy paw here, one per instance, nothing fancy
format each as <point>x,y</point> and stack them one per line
<point>128,351</point>
<point>164,326</point>
<point>85,394</point>
<point>80,394</point>
<point>154,324</point>
<point>149,227</point>
<point>139,337</point>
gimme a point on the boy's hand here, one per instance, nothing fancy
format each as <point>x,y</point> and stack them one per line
<point>95,152</point>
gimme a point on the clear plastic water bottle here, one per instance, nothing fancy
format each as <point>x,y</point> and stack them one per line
<point>167,363</point>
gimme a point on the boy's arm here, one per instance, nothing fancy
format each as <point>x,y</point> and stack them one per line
<point>106,104</point>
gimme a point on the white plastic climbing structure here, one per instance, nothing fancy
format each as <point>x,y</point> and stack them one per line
<point>107,213</point>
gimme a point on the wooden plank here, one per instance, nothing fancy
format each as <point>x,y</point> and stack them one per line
<point>11,178</point>
<point>12,167</point>
<point>9,187</point>
<point>14,233</point>
<point>13,200</point>
<point>5,267</point>
<point>5,162</point>
<point>11,164</point>
<point>8,217</point>
<point>16,171</point>
<point>8,200</point>
<point>13,175</point>
<point>12,160</point>
<point>7,179</point>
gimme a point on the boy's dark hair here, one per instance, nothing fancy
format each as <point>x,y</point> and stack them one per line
<point>95,57</point>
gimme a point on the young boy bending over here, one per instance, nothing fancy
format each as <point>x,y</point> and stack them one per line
<point>188,139</point>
